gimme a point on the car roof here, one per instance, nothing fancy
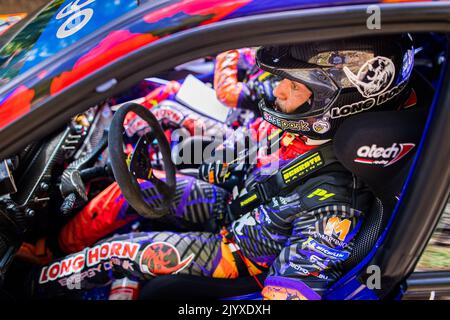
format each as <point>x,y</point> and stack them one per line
<point>59,46</point>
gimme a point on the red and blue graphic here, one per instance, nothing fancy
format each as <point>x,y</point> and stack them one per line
<point>161,258</point>
<point>73,21</point>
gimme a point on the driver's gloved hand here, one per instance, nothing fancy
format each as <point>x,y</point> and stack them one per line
<point>222,174</point>
<point>215,172</point>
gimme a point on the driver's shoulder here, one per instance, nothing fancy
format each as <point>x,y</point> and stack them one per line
<point>327,189</point>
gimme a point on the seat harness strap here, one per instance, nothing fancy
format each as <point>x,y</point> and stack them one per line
<point>289,177</point>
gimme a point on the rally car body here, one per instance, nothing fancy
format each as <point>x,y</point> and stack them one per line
<point>71,55</point>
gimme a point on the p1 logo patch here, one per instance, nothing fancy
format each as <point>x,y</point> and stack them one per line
<point>322,194</point>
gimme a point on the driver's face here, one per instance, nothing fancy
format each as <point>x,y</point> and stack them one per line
<point>290,95</point>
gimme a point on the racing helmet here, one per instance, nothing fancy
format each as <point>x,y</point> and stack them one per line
<point>345,77</point>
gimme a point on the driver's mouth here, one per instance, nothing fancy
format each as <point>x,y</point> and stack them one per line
<point>277,106</point>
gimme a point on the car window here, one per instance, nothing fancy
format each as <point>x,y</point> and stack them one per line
<point>437,254</point>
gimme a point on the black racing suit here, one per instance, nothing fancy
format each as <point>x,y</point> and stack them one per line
<point>302,237</point>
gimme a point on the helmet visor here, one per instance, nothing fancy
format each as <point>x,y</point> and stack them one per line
<point>316,79</point>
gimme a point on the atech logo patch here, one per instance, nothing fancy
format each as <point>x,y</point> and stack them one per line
<point>375,155</point>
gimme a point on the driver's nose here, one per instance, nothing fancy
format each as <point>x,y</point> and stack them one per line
<point>281,91</point>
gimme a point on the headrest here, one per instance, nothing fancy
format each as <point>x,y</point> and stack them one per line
<point>378,147</point>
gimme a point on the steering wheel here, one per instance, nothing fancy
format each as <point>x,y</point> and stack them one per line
<point>128,169</point>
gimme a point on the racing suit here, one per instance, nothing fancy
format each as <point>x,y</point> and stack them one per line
<point>196,202</point>
<point>238,82</point>
<point>302,236</point>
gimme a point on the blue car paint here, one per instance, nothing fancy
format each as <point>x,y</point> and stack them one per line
<point>268,6</point>
<point>49,44</point>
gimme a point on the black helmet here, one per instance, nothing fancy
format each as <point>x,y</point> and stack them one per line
<point>345,77</point>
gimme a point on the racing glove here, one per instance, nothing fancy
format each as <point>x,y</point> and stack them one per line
<point>215,172</point>
<point>222,174</point>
